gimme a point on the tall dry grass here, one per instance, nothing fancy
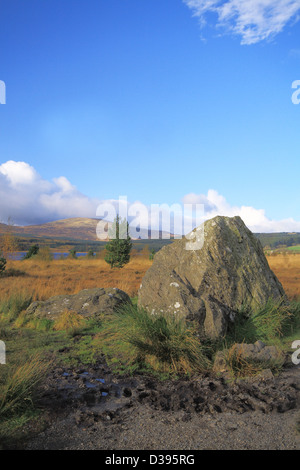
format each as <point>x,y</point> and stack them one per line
<point>42,279</point>
<point>20,387</point>
<point>287,268</point>
<point>69,321</point>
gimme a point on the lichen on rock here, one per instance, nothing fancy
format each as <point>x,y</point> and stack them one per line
<point>88,303</point>
<point>213,282</point>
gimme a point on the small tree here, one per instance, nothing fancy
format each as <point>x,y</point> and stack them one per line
<point>72,254</point>
<point>90,253</point>
<point>119,247</point>
<point>33,250</point>
<point>2,264</point>
<point>44,254</point>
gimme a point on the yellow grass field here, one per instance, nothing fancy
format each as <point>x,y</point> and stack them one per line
<point>287,269</point>
<point>45,279</point>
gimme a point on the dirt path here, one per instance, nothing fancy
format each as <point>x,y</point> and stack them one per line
<point>148,430</point>
<point>143,414</point>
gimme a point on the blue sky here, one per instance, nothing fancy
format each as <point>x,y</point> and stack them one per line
<point>164,101</point>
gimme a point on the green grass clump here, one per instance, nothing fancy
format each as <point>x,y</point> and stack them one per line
<point>69,321</point>
<point>272,320</point>
<point>269,323</point>
<point>134,339</point>
<point>18,390</point>
<point>39,324</point>
<point>11,307</point>
<point>21,385</point>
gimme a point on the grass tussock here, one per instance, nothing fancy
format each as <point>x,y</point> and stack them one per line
<point>13,305</point>
<point>21,385</point>
<point>134,339</point>
<point>269,323</point>
<point>273,320</point>
<point>69,321</point>
<point>39,324</point>
<point>19,390</point>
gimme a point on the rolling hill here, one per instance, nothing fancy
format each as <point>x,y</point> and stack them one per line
<point>84,229</point>
<point>71,229</point>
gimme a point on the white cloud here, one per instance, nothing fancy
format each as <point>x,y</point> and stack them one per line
<point>18,173</point>
<point>193,198</point>
<point>253,20</point>
<point>26,198</point>
<point>255,219</point>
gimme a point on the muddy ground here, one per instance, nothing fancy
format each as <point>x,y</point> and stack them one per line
<point>90,408</point>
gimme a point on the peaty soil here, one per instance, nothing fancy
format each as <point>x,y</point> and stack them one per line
<point>90,408</point>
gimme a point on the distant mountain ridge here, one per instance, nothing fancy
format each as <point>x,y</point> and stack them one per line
<point>76,228</point>
<point>84,229</point>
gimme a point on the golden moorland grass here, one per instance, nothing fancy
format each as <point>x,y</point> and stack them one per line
<point>43,279</point>
<point>287,268</point>
<point>66,276</point>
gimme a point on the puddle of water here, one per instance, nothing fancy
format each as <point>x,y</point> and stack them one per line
<point>84,374</point>
<point>101,380</point>
<point>90,385</point>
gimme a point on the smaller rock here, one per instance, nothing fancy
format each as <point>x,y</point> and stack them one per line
<point>220,364</point>
<point>88,303</point>
<point>265,375</point>
<point>259,352</point>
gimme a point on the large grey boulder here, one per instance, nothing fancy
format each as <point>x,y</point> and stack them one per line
<point>88,303</point>
<point>212,281</point>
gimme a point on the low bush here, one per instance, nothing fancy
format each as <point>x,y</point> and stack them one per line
<point>44,254</point>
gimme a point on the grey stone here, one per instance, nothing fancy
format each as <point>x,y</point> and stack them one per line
<point>209,283</point>
<point>88,303</point>
<point>220,364</point>
<point>259,352</point>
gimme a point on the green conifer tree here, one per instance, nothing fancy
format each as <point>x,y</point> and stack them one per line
<point>119,247</point>
<point>33,250</point>
<point>2,264</point>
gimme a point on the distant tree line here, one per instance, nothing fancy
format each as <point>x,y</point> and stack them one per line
<point>275,240</point>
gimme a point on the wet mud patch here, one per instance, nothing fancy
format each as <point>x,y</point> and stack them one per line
<point>95,391</point>
<point>91,408</point>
